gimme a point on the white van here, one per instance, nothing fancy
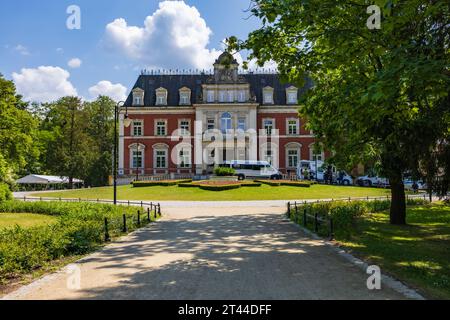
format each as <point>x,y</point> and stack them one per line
<point>253,169</point>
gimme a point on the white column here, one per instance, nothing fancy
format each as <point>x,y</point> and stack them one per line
<point>198,142</point>
<point>253,140</point>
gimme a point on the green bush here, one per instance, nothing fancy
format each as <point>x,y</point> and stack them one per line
<point>277,183</point>
<point>188,185</point>
<point>220,187</point>
<point>250,184</point>
<point>5,193</point>
<point>343,213</point>
<point>165,183</point>
<point>79,229</point>
<point>224,172</point>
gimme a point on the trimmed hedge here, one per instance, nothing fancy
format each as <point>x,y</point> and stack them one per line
<point>79,229</point>
<point>164,183</point>
<point>251,184</point>
<point>275,183</point>
<point>5,192</point>
<point>219,187</point>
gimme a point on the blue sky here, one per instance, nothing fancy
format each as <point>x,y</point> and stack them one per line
<point>35,37</point>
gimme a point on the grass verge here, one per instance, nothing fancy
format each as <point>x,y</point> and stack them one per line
<point>418,253</point>
<point>77,229</point>
<point>175,193</point>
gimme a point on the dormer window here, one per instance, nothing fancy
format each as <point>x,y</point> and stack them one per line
<point>161,97</point>
<point>292,95</point>
<point>185,96</point>
<point>268,95</point>
<point>138,97</point>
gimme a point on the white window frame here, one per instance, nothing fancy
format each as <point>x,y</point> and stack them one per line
<point>161,97</point>
<point>292,95</point>
<point>312,155</point>
<point>157,156</point>
<point>185,154</point>
<point>133,151</point>
<point>288,127</point>
<point>185,96</point>
<point>242,120</point>
<point>137,101</point>
<point>140,126</point>
<point>157,126</point>
<point>184,131</point>
<point>230,96</point>
<point>222,119</point>
<point>223,96</point>
<point>210,96</point>
<point>268,92</point>
<point>289,157</point>
<point>242,96</point>
<point>272,127</point>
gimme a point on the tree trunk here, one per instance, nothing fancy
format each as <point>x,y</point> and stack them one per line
<point>398,203</point>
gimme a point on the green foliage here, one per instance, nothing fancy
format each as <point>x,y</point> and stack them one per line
<point>79,230</point>
<point>224,172</point>
<point>344,213</point>
<point>379,95</point>
<point>17,131</point>
<point>277,183</point>
<point>5,193</point>
<point>165,183</point>
<point>219,187</point>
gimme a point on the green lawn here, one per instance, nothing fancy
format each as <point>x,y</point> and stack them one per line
<point>418,253</point>
<point>24,220</point>
<point>264,192</point>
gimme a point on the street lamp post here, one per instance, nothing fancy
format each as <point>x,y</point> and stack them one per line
<point>127,123</point>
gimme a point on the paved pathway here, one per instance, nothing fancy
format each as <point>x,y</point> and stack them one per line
<point>213,253</point>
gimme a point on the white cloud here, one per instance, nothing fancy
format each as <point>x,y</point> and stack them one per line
<point>174,36</point>
<point>22,50</point>
<point>74,63</point>
<point>44,84</point>
<point>117,92</point>
<point>60,50</point>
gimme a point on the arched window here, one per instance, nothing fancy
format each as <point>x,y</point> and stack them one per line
<point>226,122</point>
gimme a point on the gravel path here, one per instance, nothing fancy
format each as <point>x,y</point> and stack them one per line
<point>205,253</point>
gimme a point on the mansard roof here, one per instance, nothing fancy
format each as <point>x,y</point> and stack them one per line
<point>173,83</point>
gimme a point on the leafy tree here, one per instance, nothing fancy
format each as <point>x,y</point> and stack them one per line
<point>101,130</point>
<point>17,131</point>
<point>68,145</point>
<point>378,94</point>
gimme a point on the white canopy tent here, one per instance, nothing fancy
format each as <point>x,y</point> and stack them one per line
<point>46,182</point>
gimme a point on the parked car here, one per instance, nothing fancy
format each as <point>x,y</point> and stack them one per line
<point>372,181</point>
<point>253,169</point>
<point>409,183</point>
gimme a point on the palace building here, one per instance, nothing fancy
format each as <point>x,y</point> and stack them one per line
<point>188,123</point>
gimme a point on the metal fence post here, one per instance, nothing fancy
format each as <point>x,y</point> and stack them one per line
<point>139,218</point>
<point>159,209</point>
<point>331,229</point>
<point>316,223</point>
<point>289,210</point>
<point>148,215</point>
<point>304,218</point>
<point>125,229</point>
<point>296,211</point>
<point>107,237</point>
